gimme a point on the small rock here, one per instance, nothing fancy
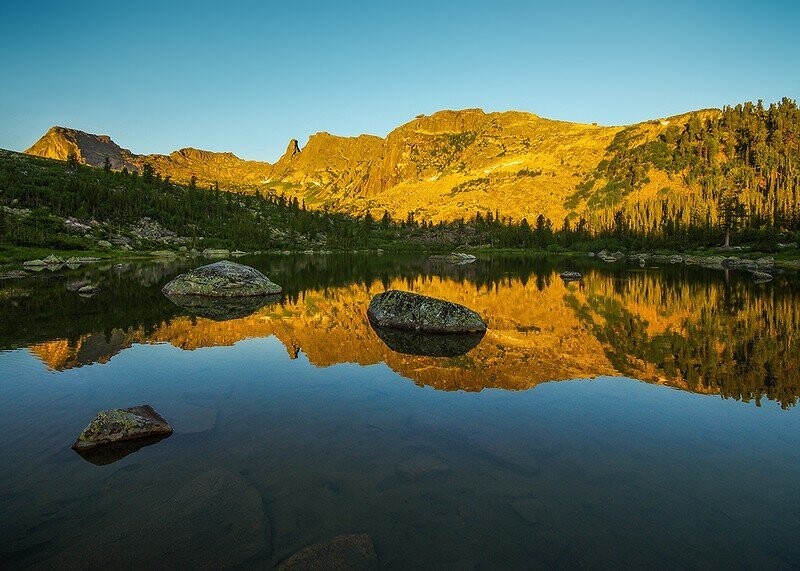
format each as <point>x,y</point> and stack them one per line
<point>355,552</point>
<point>112,426</point>
<point>34,263</point>
<point>766,262</point>
<point>76,285</point>
<point>53,260</point>
<point>88,290</point>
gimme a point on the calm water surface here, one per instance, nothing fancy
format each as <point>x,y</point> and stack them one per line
<point>644,416</point>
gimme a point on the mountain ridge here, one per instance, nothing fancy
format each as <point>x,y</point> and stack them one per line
<point>453,164</point>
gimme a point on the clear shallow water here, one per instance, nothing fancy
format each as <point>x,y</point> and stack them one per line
<point>338,434</point>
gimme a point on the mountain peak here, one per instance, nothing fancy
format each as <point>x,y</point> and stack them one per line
<point>292,149</point>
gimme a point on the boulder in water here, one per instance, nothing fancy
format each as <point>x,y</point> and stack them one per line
<point>222,279</point>
<point>415,312</point>
<point>114,426</point>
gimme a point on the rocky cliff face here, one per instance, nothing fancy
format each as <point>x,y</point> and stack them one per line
<point>444,166</point>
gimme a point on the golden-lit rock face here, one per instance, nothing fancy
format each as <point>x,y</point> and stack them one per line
<point>445,166</point>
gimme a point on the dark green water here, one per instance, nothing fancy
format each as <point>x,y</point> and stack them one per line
<point>491,459</point>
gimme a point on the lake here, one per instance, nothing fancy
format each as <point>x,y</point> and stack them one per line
<point>638,417</point>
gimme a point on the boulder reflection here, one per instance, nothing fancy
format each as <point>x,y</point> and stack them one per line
<point>222,308</point>
<point>428,344</point>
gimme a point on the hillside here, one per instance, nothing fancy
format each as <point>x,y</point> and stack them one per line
<point>440,167</point>
<point>663,177</point>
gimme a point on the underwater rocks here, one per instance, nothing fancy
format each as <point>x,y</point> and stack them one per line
<point>415,312</point>
<point>342,552</point>
<point>221,279</point>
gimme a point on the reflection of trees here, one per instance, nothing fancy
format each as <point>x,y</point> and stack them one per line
<point>733,338</point>
<point>688,327</point>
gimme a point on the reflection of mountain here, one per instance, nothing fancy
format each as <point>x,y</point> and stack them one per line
<point>532,336</point>
<point>703,336</point>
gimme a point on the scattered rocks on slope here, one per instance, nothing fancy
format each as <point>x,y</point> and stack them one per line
<point>222,279</point>
<point>112,426</point>
<point>411,311</point>
<point>355,552</point>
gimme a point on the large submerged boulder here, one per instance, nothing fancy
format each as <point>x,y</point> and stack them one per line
<point>110,428</point>
<point>222,279</point>
<point>356,552</point>
<point>415,312</point>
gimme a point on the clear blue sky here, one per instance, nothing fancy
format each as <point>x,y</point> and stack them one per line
<point>248,76</point>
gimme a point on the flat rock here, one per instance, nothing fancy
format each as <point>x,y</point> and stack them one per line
<point>34,263</point>
<point>112,426</point>
<point>221,279</point>
<point>355,552</point>
<point>415,312</point>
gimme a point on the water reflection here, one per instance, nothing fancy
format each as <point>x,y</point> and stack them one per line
<point>222,308</point>
<point>687,328</point>
<point>110,453</point>
<point>427,344</point>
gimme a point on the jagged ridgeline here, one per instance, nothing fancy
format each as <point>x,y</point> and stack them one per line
<point>688,178</point>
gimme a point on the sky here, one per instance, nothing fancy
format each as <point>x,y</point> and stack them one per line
<point>248,76</point>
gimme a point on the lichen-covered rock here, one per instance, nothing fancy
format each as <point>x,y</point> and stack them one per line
<point>411,311</point>
<point>222,279</point>
<point>342,552</point>
<point>112,426</point>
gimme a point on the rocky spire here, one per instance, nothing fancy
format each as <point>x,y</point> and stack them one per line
<point>291,150</point>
